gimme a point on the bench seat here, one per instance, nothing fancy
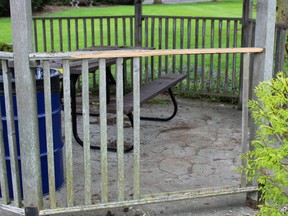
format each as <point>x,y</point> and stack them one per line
<point>148,91</point>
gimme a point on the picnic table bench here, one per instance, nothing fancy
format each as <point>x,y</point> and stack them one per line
<point>75,3</point>
<point>147,92</point>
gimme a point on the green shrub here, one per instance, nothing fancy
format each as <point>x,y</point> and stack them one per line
<point>36,5</point>
<point>4,8</point>
<point>5,47</point>
<point>60,2</point>
<point>116,2</point>
<point>268,162</point>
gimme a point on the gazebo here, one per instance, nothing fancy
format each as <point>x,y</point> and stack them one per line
<point>25,58</point>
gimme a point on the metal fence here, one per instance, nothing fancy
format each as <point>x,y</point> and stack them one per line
<point>89,203</point>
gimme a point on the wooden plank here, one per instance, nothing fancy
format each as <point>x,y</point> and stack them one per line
<point>35,35</point>
<point>124,31</point>
<point>101,32</point>
<point>6,55</point>
<point>149,91</point>
<point>68,133</point>
<point>139,53</point>
<point>131,33</point>
<point>174,45</point>
<point>227,56</point>
<point>86,131</point>
<point>152,75</point>
<point>49,134</point>
<point>21,20</point>
<point>188,56</point>
<point>52,34</point>
<point>103,131</point>
<point>282,49</point>
<point>245,115</point>
<point>138,23</point>
<point>219,56</point>
<point>69,33</point>
<point>60,35</point>
<point>181,47</point>
<point>136,128</point>
<point>120,130</point>
<point>166,43</point>
<point>85,32</point>
<point>116,32</point>
<point>3,167</point>
<point>146,45</point>
<point>211,55</point>
<point>196,56</point>
<point>44,35</point>
<point>203,56</point>
<point>160,46</point>
<point>234,69</point>
<point>108,32</point>
<point>153,198</point>
<point>193,17</point>
<point>93,32</point>
<point>77,33</point>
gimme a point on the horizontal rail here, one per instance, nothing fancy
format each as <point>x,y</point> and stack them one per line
<point>144,16</point>
<point>193,17</point>
<point>13,209</point>
<point>6,55</point>
<point>277,25</point>
<point>157,198</point>
<point>81,17</point>
<point>140,53</point>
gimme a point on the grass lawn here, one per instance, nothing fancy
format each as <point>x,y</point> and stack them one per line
<point>224,8</point>
<point>176,38</point>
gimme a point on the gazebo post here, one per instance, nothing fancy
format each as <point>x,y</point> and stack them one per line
<point>138,23</point>
<point>246,40</point>
<point>21,17</point>
<point>246,15</point>
<point>263,63</point>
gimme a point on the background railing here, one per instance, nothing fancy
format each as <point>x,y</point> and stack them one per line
<point>280,41</point>
<point>212,74</point>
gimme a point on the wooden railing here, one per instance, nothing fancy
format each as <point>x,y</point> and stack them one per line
<point>280,41</point>
<point>105,201</point>
<point>209,74</point>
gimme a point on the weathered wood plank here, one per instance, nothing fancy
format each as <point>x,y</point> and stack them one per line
<point>49,133</point>
<point>140,53</point>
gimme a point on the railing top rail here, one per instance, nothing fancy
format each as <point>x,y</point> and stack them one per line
<point>144,16</point>
<point>82,17</point>
<point>6,55</point>
<point>139,53</point>
<point>278,25</point>
<point>193,17</point>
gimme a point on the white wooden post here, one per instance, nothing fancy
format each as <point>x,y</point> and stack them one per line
<point>21,16</point>
<point>264,37</point>
<point>263,62</point>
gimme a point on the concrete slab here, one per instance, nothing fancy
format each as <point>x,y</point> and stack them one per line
<point>199,148</point>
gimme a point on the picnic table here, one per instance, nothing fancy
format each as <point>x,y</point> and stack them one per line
<point>147,91</point>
